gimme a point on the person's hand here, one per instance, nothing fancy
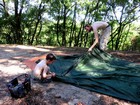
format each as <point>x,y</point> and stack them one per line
<point>90,49</point>
<point>53,74</point>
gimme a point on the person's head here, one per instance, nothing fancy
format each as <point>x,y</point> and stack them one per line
<point>50,58</point>
<point>88,28</point>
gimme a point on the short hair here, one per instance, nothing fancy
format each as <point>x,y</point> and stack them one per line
<point>50,57</point>
<point>87,25</point>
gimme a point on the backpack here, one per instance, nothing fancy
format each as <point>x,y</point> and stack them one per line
<point>19,86</point>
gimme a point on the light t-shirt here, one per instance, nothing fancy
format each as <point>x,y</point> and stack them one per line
<point>99,25</point>
<point>38,69</point>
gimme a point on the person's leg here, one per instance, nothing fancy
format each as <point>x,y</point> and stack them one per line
<point>104,38</point>
<point>35,76</point>
<point>47,79</point>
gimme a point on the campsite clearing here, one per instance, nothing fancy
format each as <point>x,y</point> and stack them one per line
<point>11,65</point>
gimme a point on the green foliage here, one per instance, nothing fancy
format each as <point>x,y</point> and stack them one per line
<point>64,20</point>
<point>135,38</point>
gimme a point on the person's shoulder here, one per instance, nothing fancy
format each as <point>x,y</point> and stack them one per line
<point>100,22</point>
<point>41,62</point>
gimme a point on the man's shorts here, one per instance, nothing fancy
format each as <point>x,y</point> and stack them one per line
<point>104,38</point>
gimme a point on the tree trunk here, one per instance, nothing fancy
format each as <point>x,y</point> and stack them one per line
<point>57,28</point>
<point>39,17</point>
<point>64,28</point>
<point>73,26</point>
<point>17,24</point>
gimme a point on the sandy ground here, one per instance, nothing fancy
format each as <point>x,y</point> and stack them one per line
<point>54,93</point>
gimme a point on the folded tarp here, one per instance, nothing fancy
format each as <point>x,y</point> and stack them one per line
<point>100,72</point>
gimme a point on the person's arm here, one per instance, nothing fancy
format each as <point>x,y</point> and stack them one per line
<point>46,69</point>
<point>96,39</point>
<point>47,73</point>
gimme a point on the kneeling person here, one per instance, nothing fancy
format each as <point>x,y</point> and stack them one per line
<point>42,70</point>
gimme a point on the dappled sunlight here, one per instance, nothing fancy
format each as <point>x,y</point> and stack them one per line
<point>61,53</point>
<point>8,50</point>
<point>12,67</point>
<point>23,59</point>
<point>12,70</point>
<point>31,48</point>
<point>3,61</point>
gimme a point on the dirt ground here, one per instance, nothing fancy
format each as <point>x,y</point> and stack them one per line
<point>55,93</point>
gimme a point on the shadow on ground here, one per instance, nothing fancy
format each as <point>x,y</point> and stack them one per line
<point>55,93</point>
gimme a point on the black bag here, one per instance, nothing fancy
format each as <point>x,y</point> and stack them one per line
<point>19,86</point>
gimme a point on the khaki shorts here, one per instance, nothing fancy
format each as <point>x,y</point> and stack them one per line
<point>104,38</point>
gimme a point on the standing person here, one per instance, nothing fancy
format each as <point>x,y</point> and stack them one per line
<point>42,70</point>
<point>103,38</point>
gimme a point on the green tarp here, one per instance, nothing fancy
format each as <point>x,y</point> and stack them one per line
<point>100,72</point>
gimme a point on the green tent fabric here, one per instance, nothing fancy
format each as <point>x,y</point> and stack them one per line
<point>100,72</point>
